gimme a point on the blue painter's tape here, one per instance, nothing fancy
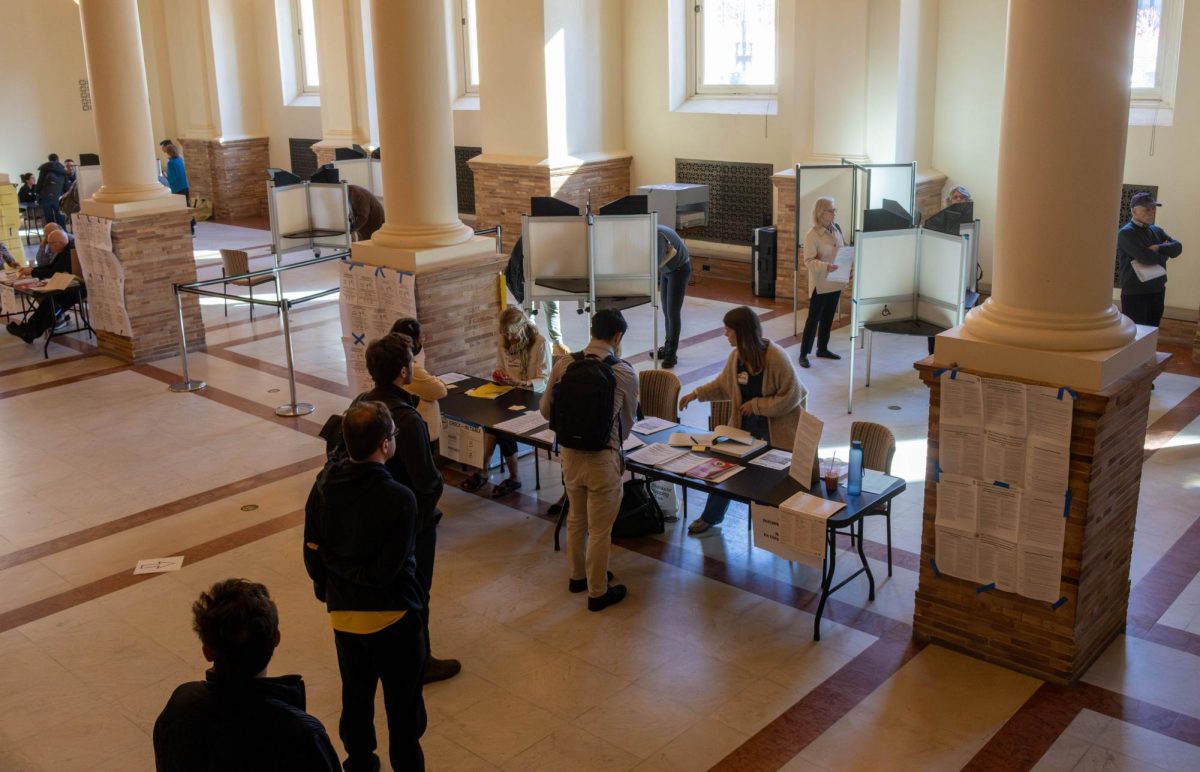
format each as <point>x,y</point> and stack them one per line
<point>936,571</point>
<point>1058,603</point>
<point>938,373</point>
<point>937,472</point>
<point>359,339</point>
<point>985,587</point>
<point>1066,390</point>
<point>351,266</point>
<point>999,484</point>
<point>379,272</point>
<point>954,374</point>
<point>1067,505</point>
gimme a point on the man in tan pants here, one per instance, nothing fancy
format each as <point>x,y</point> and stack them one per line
<point>591,402</point>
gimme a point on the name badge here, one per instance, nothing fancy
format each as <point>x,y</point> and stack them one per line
<point>743,378</point>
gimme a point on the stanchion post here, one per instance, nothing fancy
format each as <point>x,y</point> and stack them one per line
<point>293,408</point>
<point>187,384</point>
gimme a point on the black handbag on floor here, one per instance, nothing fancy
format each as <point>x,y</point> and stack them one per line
<point>640,513</point>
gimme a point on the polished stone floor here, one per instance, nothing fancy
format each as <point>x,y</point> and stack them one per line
<point>708,663</point>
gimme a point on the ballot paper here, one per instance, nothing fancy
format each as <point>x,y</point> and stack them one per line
<point>522,423</point>
<point>1004,406</point>
<point>774,459</point>
<point>448,378</point>
<point>962,399</point>
<point>957,505</point>
<point>1049,413</point>
<point>652,425</point>
<point>1004,459</point>
<point>876,482</point>
<point>997,562</point>
<point>631,442</point>
<point>1039,572</point>
<point>1042,521</point>
<point>804,450</point>
<point>1049,468</point>
<point>680,464</point>
<point>799,540</point>
<point>957,553</point>
<point>545,435</point>
<point>961,451</point>
<point>999,511</point>
<point>655,453</point>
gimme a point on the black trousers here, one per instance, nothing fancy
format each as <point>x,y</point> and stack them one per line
<point>394,656</point>
<point>425,550</point>
<point>821,308</point>
<point>1144,309</point>
<point>672,287</point>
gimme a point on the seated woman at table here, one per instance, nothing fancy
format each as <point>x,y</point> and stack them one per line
<point>762,386</point>
<point>523,361</point>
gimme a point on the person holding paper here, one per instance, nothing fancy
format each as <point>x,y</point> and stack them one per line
<point>522,360</point>
<point>764,391</point>
<point>426,387</point>
<point>1143,249</point>
<point>821,245</point>
<point>60,245</point>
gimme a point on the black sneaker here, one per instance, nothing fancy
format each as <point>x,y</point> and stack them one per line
<point>615,594</point>
<point>670,362</point>
<point>580,585</point>
<point>21,331</point>
<point>828,355</point>
<point>804,361</point>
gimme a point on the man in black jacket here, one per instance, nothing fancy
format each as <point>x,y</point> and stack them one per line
<point>238,718</point>
<point>52,178</point>
<point>1143,245</point>
<point>389,361</point>
<point>359,528</point>
<point>60,245</point>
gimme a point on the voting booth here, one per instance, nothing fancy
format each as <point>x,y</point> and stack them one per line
<point>308,215</point>
<point>847,184</point>
<point>909,282</point>
<point>364,172</point>
<point>599,259</point>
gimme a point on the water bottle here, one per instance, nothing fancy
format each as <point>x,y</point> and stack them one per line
<point>854,481</point>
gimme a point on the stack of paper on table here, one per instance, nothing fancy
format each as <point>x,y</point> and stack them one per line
<point>680,461</point>
<point>488,391</point>
<point>806,504</point>
<point>652,425</point>
<point>723,439</point>
<point>876,482</point>
<point>522,423</point>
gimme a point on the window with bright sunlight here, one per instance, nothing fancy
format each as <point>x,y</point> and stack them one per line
<point>734,46</point>
<point>306,31</point>
<point>468,46</point>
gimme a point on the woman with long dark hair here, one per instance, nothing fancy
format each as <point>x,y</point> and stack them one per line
<point>764,391</point>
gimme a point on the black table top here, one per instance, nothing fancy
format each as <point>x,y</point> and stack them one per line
<point>489,412</point>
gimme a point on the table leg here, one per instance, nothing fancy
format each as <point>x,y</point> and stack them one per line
<point>830,564</point>
<point>537,470</point>
<point>863,557</point>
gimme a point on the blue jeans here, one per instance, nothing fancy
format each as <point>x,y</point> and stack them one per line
<point>53,214</point>
<point>717,505</point>
<point>672,287</point>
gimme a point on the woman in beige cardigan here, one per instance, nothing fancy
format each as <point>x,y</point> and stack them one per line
<point>762,386</point>
<point>821,245</point>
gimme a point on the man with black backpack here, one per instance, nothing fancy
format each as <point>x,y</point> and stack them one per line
<point>591,401</point>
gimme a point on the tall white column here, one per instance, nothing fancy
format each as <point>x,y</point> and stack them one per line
<point>1062,152</point>
<point>342,69</point>
<point>112,47</point>
<point>416,131</point>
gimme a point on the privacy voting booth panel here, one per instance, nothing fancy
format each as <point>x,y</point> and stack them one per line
<point>329,209</point>
<point>556,252</point>
<point>626,255</point>
<point>813,182</point>
<point>885,277</point>
<point>356,171</point>
<point>289,214</point>
<point>941,278</point>
<point>897,182</point>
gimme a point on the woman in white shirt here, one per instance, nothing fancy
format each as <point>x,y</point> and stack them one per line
<point>522,360</point>
<point>821,245</point>
<point>426,387</point>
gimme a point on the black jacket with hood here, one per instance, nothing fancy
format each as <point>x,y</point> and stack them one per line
<point>412,465</point>
<point>359,528</point>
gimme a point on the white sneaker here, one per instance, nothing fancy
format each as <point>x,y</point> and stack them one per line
<point>699,527</point>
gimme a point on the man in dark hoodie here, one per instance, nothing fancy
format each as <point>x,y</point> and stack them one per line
<point>238,718</point>
<point>359,529</point>
<point>52,183</point>
<point>389,361</point>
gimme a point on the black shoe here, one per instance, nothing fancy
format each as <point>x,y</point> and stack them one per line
<point>804,361</point>
<point>441,669</point>
<point>659,353</point>
<point>670,362</point>
<point>579,585</point>
<point>21,331</point>
<point>615,595</point>
<point>828,355</point>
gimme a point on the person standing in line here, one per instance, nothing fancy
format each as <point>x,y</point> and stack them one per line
<point>51,184</point>
<point>359,530</point>
<point>762,386</point>
<point>821,245</point>
<point>389,361</point>
<point>674,272</point>
<point>177,179</point>
<point>523,361</point>
<point>425,387</point>
<point>238,717</point>
<point>1142,245</point>
<point>591,401</point>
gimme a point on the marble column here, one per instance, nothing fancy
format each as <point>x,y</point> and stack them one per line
<point>116,69</point>
<point>1062,152</point>
<point>342,69</point>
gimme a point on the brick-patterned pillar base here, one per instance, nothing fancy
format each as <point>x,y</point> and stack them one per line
<point>1107,435</point>
<point>503,187</point>
<point>156,252</point>
<point>785,235</point>
<point>231,174</point>
<point>458,304</point>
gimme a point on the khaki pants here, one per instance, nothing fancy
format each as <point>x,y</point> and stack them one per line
<point>593,482</point>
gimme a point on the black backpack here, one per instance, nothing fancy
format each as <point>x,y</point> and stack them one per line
<point>640,513</point>
<point>331,430</point>
<point>582,416</point>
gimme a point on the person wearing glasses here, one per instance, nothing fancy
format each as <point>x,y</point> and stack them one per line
<point>821,245</point>
<point>360,525</point>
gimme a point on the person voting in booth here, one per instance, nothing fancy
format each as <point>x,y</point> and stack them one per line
<point>821,245</point>
<point>366,212</point>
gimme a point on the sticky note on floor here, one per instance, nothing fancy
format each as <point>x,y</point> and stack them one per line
<point>158,565</point>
